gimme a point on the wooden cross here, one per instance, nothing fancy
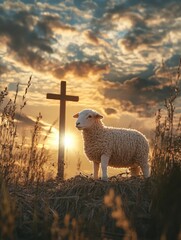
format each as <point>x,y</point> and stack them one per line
<point>63,98</point>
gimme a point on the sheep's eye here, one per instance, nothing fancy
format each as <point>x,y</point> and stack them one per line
<point>89,116</point>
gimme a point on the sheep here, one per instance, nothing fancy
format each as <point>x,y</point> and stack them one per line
<point>115,147</point>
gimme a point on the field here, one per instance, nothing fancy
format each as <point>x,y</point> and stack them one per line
<point>124,207</point>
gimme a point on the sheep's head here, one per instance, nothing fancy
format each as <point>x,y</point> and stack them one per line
<point>86,118</point>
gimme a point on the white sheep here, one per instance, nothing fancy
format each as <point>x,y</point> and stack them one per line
<point>115,147</point>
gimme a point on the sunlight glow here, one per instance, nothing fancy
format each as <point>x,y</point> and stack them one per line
<point>69,139</point>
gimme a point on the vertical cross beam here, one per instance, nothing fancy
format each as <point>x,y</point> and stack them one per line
<point>61,130</point>
<point>63,98</point>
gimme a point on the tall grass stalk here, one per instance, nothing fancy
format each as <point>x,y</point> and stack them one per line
<point>166,170</point>
<point>7,213</point>
<point>167,142</point>
<point>20,161</point>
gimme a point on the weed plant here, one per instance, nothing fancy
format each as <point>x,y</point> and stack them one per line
<point>167,142</point>
<point>166,170</point>
<point>114,202</point>
<point>165,206</point>
<point>20,162</point>
<point>7,213</point>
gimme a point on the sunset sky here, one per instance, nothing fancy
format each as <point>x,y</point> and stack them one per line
<point>118,56</point>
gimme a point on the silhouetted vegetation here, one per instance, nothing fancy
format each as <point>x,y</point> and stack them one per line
<point>167,140</point>
<point>20,161</point>
<point>166,170</point>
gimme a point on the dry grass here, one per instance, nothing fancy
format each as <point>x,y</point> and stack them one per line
<point>82,208</point>
<point>83,200</point>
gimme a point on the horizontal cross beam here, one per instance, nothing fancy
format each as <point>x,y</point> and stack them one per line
<point>64,97</point>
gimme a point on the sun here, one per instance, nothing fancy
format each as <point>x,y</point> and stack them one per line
<point>69,139</point>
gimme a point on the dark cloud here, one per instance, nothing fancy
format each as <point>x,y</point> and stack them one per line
<point>149,22</point>
<point>97,6</point>
<point>24,120</point>
<point>141,38</point>
<point>31,35</point>
<point>139,95</point>
<point>92,37</point>
<point>115,76</point>
<point>53,22</point>
<point>139,34</point>
<point>157,5</point>
<point>173,61</point>
<point>110,111</point>
<point>36,60</point>
<point>29,39</point>
<point>3,69</point>
<point>21,36</point>
<point>162,4</point>
<point>79,68</point>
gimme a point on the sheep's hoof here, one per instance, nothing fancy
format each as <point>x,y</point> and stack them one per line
<point>104,179</point>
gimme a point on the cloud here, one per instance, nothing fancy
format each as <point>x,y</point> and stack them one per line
<point>141,26</point>
<point>54,23</point>
<point>31,35</point>
<point>139,95</point>
<point>3,69</point>
<point>26,36</point>
<point>21,35</point>
<point>93,38</point>
<point>80,69</point>
<point>141,39</point>
<point>110,111</point>
<point>109,53</point>
<point>24,119</point>
<point>123,16</point>
<point>173,61</point>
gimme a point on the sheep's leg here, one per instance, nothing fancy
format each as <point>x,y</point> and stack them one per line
<point>96,170</point>
<point>104,164</point>
<point>146,170</point>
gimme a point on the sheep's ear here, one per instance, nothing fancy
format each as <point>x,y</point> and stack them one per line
<point>76,115</point>
<point>98,116</point>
